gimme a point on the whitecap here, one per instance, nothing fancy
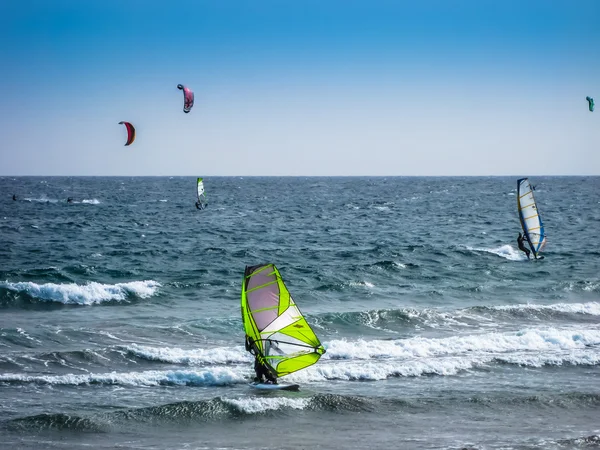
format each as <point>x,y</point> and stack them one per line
<point>87,294</point>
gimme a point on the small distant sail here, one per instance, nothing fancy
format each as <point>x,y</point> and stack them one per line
<point>283,337</point>
<point>590,103</point>
<point>529,216</point>
<point>130,132</point>
<point>188,98</point>
<point>201,202</point>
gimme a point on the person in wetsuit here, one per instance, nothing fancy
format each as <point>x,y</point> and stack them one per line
<point>199,205</point>
<point>70,200</point>
<point>263,373</point>
<point>521,245</point>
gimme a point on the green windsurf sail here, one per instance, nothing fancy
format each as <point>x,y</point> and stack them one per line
<point>283,338</point>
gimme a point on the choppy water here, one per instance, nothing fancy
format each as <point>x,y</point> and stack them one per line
<point>120,324</point>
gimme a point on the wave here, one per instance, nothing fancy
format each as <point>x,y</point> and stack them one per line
<point>172,355</point>
<point>58,421</point>
<point>533,340</point>
<point>577,286</point>
<point>504,251</point>
<point>186,411</point>
<point>590,308</point>
<point>90,201</point>
<point>122,354</point>
<point>40,199</point>
<point>236,407</point>
<point>358,360</point>
<point>401,319</point>
<point>584,442</point>
<point>75,294</point>
<point>392,265</point>
<point>218,376</point>
<point>440,366</point>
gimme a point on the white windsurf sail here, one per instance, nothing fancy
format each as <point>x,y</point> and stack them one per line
<point>200,192</point>
<point>529,216</point>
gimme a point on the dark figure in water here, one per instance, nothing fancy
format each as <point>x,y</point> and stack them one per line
<point>521,245</point>
<point>201,206</point>
<point>70,200</point>
<point>14,196</point>
<point>263,373</point>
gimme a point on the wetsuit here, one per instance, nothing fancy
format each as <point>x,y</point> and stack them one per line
<point>263,373</point>
<point>521,245</point>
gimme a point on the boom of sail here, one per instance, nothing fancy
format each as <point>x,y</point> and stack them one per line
<point>529,216</point>
<point>284,339</point>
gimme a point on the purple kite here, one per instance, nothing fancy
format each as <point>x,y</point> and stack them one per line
<point>188,98</point>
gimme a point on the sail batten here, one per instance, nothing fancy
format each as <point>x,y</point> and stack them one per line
<point>529,216</point>
<point>284,339</point>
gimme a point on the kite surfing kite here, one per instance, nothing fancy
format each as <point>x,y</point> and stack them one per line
<point>590,103</point>
<point>130,132</point>
<point>188,98</point>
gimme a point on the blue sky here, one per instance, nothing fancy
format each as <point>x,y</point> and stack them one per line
<point>300,88</point>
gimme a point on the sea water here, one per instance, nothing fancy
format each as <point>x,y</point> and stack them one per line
<point>120,317</point>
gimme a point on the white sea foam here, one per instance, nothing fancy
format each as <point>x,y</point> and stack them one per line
<point>41,200</point>
<point>23,333</point>
<point>550,339</point>
<point>87,294</point>
<point>442,366</point>
<point>363,360</point>
<point>505,251</point>
<point>214,377</point>
<point>366,284</point>
<point>591,308</point>
<point>91,201</point>
<point>373,371</point>
<point>588,286</point>
<point>253,405</point>
<point>219,355</point>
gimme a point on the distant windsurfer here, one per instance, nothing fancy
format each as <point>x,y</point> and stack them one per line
<point>263,373</point>
<point>521,245</point>
<point>70,200</point>
<point>15,197</point>
<point>199,205</point>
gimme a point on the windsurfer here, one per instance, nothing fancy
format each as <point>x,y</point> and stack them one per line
<point>263,374</point>
<point>199,205</point>
<point>70,200</point>
<point>14,196</point>
<point>521,245</point>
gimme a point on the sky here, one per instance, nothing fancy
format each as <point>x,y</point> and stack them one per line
<point>300,88</point>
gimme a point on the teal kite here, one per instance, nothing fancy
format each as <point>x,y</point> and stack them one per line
<point>590,103</point>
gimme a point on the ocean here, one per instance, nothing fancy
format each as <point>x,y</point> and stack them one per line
<point>120,321</point>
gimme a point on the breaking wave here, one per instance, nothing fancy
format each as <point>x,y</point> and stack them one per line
<point>76,294</point>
